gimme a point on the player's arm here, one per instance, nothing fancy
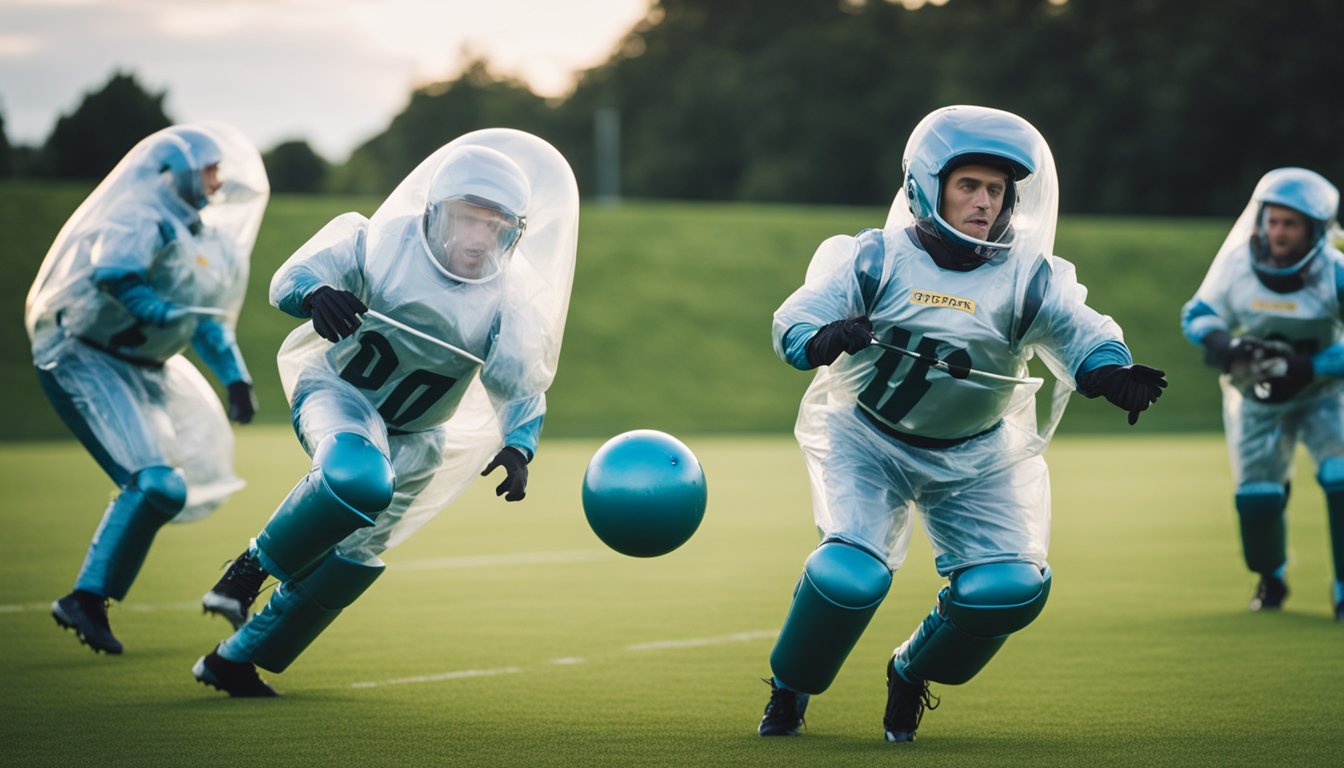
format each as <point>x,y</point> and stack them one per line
<point>217,345</point>
<point>828,315</point>
<point>121,259</point>
<point>324,279</point>
<point>521,421</point>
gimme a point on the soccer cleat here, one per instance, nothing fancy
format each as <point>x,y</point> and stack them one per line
<point>233,595</point>
<point>906,703</point>
<point>238,679</point>
<point>784,712</point>
<point>1269,594</point>
<point>86,614</point>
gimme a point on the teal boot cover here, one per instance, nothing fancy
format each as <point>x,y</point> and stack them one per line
<point>975,614</point>
<point>299,611</point>
<point>840,589</point>
<point>350,484</point>
<point>1264,534</point>
<point>151,498</point>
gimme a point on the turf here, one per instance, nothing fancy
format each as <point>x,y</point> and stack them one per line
<point>505,634</point>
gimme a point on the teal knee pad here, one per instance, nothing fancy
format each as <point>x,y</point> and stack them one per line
<point>1264,535</point>
<point>300,610</point>
<point>840,589</point>
<point>350,484</point>
<point>151,498</point>
<point>976,613</point>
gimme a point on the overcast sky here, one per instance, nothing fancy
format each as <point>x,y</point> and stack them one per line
<point>333,72</point>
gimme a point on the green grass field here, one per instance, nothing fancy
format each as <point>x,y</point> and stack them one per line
<point>508,635</point>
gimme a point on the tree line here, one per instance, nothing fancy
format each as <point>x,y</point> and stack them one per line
<point>1150,107</point>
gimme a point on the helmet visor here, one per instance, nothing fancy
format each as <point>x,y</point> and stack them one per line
<point>471,242</point>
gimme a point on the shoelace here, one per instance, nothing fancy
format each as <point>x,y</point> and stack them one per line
<point>776,708</point>
<point>925,700</point>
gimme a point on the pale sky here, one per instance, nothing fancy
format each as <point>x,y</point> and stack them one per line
<point>334,72</point>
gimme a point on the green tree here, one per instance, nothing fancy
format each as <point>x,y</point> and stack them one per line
<point>6,151</point>
<point>294,167</point>
<point>88,142</point>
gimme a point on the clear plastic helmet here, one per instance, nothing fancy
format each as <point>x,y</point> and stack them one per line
<point>1301,190</point>
<point>190,164</point>
<point>957,136</point>
<point>475,213</point>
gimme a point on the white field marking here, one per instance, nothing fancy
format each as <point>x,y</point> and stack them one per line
<point>486,561</point>
<point>437,563</point>
<point>459,675</point>
<point>567,661</point>
<point>700,642</point>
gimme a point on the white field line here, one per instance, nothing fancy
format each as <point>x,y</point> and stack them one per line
<point>459,675</point>
<point>656,645</point>
<point>430,564</point>
<point>701,642</point>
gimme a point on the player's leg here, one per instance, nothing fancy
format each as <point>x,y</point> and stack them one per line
<point>1323,434</point>
<point>990,535</point>
<point>108,406</point>
<point>1262,440</point>
<point>845,579</point>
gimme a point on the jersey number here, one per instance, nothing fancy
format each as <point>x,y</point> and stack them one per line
<point>374,364</point>
<point>893,403</point>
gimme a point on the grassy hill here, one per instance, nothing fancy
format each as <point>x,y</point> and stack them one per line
<point>669,326</point>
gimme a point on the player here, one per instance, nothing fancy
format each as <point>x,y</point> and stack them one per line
<point>154,260</point>
<point>962,289</point>
<point>436,329</point>
<point>1268,315</point>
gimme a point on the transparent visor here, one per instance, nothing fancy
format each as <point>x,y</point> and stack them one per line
<point>471,243</point>
<point>1285,240</point>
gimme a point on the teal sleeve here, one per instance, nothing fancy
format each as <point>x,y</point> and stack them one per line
<point>132,292</point>
<point>525,435</point>
<point>217,345</point>
<point>794,345</point>
<point>1110,352</point>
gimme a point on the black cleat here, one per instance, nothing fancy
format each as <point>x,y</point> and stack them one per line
<point>237,589</point>
<point>1339,611</point>
<point>86,614</point>
<point>238,679</point>
<point>784,712</point>
<point>906,703</point>
<point>1269,594</point>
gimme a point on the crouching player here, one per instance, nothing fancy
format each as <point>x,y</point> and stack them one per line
<point>922,331</point>
<point>436,329</point>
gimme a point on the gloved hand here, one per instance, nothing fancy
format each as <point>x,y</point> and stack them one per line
<point>1131,387</point>
<point>1238,356</point>
<point>852,336</point>
<point>335,312</point>
<point>1282,376</point>
<point>514,463</point>
<point>242,402</point>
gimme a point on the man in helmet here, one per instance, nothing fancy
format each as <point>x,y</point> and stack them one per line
<point>1268,315</point>
<point>921,332</point>
<point>435,333</point>
<point>155,260</point>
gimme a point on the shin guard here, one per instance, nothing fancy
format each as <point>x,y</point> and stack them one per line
<point>1331,477</point>
<point>350,483</point>
<point>299,611</point>
<point>1264,535</point>
<point>841,587</point>
<point>975,614</point>
<point>151,498</point>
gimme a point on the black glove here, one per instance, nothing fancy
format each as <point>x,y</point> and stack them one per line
<point>852,336</point>
<point>514,463</point>
<point>1234,355</point>
<point>242,402</point>
<point>1131,387</point>
<point>335,312</point>
<point>1283,376</point>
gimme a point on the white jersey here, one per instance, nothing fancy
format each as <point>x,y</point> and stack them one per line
<point>424,339</point>
<point>993,318</point>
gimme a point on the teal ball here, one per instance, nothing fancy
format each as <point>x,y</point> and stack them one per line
<point>644,493</point>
